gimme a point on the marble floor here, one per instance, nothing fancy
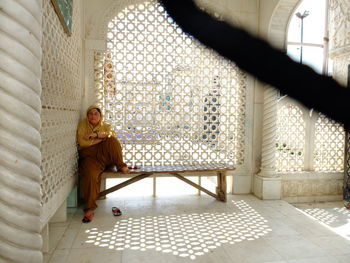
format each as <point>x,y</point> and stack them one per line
<point>192,228</point>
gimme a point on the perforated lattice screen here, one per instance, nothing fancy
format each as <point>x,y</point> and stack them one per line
<point>61,100</point>
<point>170,99</point>
<point>325,141</point>
<point>290,141</point>
<point>329,145</point>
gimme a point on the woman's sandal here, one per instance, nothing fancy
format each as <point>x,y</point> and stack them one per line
<point>87,219</point>
<point>116,211</point>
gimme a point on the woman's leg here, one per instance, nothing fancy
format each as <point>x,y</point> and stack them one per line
<point>90,175</point>
<point>110,153</point>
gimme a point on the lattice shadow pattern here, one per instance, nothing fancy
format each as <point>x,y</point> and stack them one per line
<point>184,235</point>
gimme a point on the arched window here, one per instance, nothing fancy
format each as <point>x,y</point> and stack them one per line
<point>170,99</point>
<point>307,41</point>
<point>322,145</point>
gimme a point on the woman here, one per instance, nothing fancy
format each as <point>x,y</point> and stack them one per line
<point>98,148</point>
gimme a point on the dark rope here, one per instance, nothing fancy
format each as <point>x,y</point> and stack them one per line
<point>266,63</point>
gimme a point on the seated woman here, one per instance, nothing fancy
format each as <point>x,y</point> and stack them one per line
<point>98,148</point>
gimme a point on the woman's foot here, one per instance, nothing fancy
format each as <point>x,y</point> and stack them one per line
<point>125,170</point>
<point>88,216</point>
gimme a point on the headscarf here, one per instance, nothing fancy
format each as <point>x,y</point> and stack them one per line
<point>85,128</point>
<point>97,128</point>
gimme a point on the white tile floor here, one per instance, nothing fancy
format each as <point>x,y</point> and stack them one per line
<point>200,229</point>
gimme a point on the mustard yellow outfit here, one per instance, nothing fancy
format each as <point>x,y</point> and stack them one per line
<point>94,156</point>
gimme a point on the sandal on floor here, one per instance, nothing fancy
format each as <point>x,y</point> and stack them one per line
<point>116,211</point>
<point>87,219</point>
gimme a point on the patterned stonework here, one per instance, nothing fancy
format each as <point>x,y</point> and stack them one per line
<point>290,139</point>
<point>340,38</point>
<point>339,24</point>
<point>340,67</point>
<point>311,187</point>
<point>114,7</point>
<point>170,99</point>
<point>61,102</point>
<point>329,145</point>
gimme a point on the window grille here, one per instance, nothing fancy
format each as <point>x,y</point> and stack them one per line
<point>170,99</point>
<point>329,145</point>
<point>290,141</point>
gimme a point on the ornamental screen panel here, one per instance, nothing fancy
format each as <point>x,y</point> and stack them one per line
<point>290,141</point>
<point>329,145</point>
<point>169,99</point>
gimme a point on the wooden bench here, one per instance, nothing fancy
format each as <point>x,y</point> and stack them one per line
<point>212,169</point>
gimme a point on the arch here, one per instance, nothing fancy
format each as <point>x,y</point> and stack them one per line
<point>279,22</point>
<point>97,25</point>
<point>99,22</point>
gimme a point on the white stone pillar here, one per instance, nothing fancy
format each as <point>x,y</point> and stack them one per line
<point>20,157</point>
<point>267,185</point>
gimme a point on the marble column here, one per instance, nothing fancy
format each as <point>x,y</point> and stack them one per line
<point>267,184</point>
<point>20,105</point>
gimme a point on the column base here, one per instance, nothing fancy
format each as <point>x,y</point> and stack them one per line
<point>267,188</point>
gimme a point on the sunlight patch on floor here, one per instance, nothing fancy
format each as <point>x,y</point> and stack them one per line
<point>183,235</point>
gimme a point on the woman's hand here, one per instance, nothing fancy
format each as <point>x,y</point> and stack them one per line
<point>90,136</point>
<point>101,135</point>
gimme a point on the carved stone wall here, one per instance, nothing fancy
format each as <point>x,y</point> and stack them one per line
<point>339,24</point>
<point>339,32</point>
<point>308,187</point>
<point>61,102</point>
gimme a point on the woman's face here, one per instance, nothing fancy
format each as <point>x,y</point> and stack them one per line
<point>94,117</point>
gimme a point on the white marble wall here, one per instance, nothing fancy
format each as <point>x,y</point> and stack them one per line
<point>61,102</point>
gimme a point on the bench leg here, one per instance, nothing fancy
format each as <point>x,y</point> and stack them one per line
<point>221,188</point>
<point>154,186</point>
<point>200,184</point>
<point>102,187</point>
